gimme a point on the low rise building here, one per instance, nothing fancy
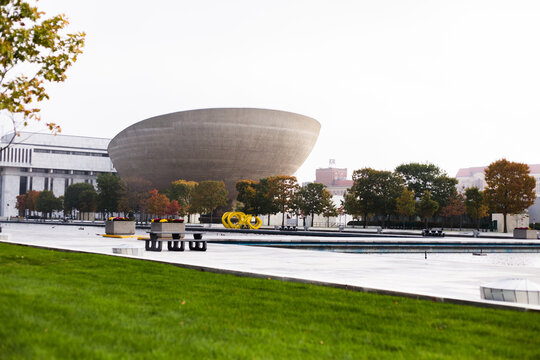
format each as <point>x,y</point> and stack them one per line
<point>48,162</point>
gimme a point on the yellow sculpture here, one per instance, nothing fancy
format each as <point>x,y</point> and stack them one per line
<point>243,221</point>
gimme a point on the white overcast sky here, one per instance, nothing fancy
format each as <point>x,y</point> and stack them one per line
<point>455,83</point>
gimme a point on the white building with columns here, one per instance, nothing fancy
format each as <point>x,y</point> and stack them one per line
<point>48,162</point>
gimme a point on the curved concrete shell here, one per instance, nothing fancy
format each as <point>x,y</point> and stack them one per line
<point>226,144</point>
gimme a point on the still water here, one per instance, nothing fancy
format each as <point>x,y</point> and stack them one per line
<point>502,259</point>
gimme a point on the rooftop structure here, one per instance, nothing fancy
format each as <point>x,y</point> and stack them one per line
<point>334,178</point>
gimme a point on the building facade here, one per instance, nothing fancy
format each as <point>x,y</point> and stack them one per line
<point>334,178</point>
<point>48,162</point>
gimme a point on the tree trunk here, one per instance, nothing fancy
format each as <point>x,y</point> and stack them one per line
<point>365,220</point>
<point>269,219</point>
<point>505,229</point>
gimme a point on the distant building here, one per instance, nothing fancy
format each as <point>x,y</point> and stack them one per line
<point>48,162</point>
<point>334,178</point>
<point>474,176</point>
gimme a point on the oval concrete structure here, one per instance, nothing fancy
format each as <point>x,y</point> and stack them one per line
<point>228,144</point>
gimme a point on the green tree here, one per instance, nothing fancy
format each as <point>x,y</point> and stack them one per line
<point>264,203</point>
<point>510,188</point>
<point>475,204</point>
<point>367,192</point>
<point>33,51</point>
<point>247,196</point>
<point>209,195</point>
<point>88,200</point>
<point>406,203</point>
<point>427,207</point>
<point>72,196</point>
<point>111,192</point>
<point>47,203</point>
<point>329,208</point>
<point>182,191</point>
<point>428,177</point>
<point>389,188</point>
<point>351,205</point>
<point>281,190</point>
<point>311,199</point>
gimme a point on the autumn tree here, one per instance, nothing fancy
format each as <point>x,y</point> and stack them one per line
<point>475,204</point>
<point>406,203</point>
<point>510,188</point>
<point>137,192</point>
<point>21,204</point>
<point>34,51</point>
<point>31,198</point>
<point>173,208</point>
<point>157,203</point>
<point>209,195</point>
<point>111,191</point>
<point>281,190</point>
<point>454,208</point>
<point>182,192</point>
<point>427,207</point>
<point>47,203</point>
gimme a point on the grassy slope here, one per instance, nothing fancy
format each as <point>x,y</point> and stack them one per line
<point>68,305</point>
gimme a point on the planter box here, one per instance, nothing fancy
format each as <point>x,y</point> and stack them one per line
<point>525,234</point>
<point>168,227</point>
<point>119,227</point>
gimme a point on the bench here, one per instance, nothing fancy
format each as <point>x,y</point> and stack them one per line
<point>433,232</point>
<point>176,243</point>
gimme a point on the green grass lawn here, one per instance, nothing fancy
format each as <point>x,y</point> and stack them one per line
<point>70,305</point>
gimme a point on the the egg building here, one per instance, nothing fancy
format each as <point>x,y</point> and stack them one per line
<point>227,144</point>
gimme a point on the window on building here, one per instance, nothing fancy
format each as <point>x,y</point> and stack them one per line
<point>66,184</point>
<point>23,184</point>
<point>31,186</point>
<point>46,186</point>
<point>39,170</point>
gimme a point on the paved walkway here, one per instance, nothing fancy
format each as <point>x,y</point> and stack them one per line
<point>448,276</point>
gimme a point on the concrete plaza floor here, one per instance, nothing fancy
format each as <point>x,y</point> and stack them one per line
<point>441,276</point>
